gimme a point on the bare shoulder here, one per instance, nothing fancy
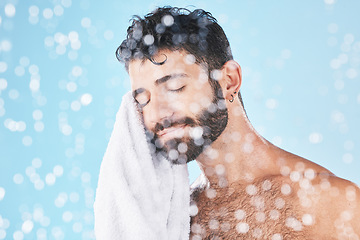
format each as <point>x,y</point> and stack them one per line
<point>336,204</point>
<point>330,205</point>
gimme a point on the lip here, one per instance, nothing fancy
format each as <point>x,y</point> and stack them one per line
<point>170,131</point>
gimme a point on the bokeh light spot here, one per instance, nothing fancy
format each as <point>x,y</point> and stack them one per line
<point>242,227</point>
<point>58,170</point>
<point>77,71</point>
<point>276,236</point>
<point>351,73</point>
<point>71,86</point>
<point>3,84</point>
<point>14,94</point>
<point>86,22</point>
<point>86,99</point>
<point>75,106</point>
<point>50,179</point>
<point>3,67</point>
<point>74,197</point>
<point>19,71</point>
<point>315,137</point>
<point>2,193</point>
<point>33,19</point>
<point>27,226</point>
<point>66,3</point>
<point>58,10</point>
<point>167,20</point>
<point>37,114</point>
<point>27,141</point>
<point>48,13</point>
<point>329,2</point>
<point>5,45</point>
<point>18,178</point>
<point>2,234</point>
<point>77,227</point>
<point>348,158</point>
<point>10,10</point>
<point>34,10</point>
<point>271,103</point>
<point>36,163</point>
<point>18,235</point>
<point>67,216</point>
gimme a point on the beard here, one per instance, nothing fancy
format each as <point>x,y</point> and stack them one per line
<point>205,128</point>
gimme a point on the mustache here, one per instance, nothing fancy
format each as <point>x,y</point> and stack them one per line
<point>167,123</point>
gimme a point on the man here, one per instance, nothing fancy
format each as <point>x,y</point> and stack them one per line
<point>186,84</point>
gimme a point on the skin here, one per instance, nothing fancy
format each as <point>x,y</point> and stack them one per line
<point>325,206</point>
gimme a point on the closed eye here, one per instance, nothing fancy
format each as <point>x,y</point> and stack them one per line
<point>178,89</point>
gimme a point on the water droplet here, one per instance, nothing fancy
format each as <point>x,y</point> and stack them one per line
<point>48,13</point>
<point>58,10</point>
<point>18,178</point>
<point>148,39</point>
<point>66,3</point>
<point>3,67</point>
<point>10,10</point>
<point>285,189</point>
<point>27,141</point>
<point>18,235</point>
<point>58,170</point>
<point>307,219</point>
<point>251,189</point>
<point>3,84</point>
<point>348,158</point>
<point>167,20</point>
<point>242,227</point>
<point>86,99</point>
<point>279,203</point>
<point>213,224</point>
<point>67,216</point>
<point>27,226</point>
<point>33,10</point>
<point>50,179</point>
<point>315,138</point>
<point>276,236</point>
<point>86,22</point>
<point>2,193</point>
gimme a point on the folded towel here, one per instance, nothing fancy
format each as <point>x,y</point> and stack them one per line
<point>139,196</point>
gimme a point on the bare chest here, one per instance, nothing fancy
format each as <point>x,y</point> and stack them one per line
<point>253,212</point>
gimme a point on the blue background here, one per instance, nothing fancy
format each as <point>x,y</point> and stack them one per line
<point>61,86</point>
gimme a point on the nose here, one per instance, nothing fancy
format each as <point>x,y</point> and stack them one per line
<point>157,111</point>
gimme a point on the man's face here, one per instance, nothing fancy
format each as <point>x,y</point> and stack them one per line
<point>181,111</point>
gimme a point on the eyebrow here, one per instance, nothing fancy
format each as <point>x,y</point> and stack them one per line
<point>168,77</point>
<point>160,81</point>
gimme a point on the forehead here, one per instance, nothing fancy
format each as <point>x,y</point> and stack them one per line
<point>175,62</point>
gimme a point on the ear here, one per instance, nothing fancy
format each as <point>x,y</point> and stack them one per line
<point>231,79</point>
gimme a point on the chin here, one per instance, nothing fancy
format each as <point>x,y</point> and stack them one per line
<point>171,153</point>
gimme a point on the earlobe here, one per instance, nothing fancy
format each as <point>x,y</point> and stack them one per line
<point>232,79</point>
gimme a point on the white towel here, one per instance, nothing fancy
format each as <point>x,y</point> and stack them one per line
<point>139,196</point>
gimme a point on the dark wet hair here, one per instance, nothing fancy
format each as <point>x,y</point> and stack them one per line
<point>172,28</point>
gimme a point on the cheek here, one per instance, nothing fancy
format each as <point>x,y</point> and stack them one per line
<point>199,102</point>
<point>206,101</point>
<point>179,105</point>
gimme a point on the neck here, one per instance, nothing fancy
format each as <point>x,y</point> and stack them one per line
<point>239,153</point>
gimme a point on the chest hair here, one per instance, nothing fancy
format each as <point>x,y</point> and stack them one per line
<point>266,209</point>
